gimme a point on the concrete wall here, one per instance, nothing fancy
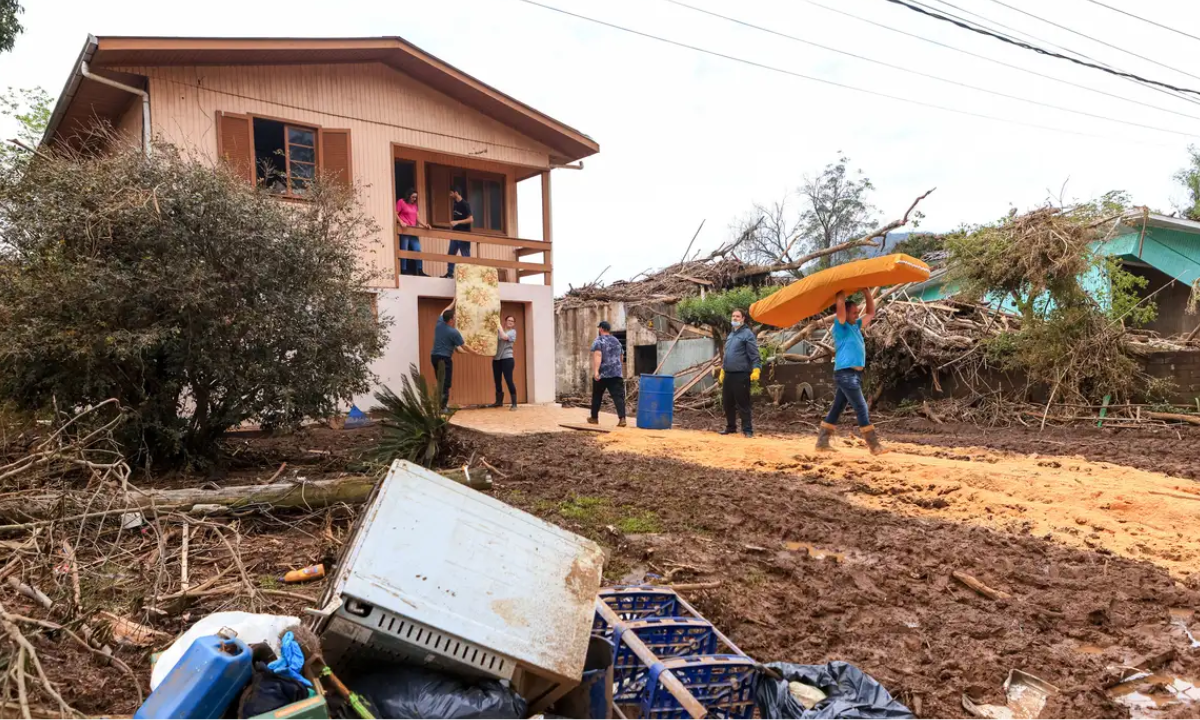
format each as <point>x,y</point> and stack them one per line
<point>403,344</point>
<point>575,330</point>
<point>1183,368</point>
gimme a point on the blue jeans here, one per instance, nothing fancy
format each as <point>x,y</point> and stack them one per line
<point>460,247</point>
<point>411,243</point>
<point>849,390</point>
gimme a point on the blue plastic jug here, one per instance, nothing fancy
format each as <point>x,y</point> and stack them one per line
<point>204,683</point>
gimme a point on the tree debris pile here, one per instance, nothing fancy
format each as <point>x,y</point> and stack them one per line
<point>96,573</point>
<point>1035,301</point>
<point>669,285</point>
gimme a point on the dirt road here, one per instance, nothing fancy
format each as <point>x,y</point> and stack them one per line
<point>852,557</point>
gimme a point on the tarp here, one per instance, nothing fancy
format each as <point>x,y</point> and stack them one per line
<point>850,693</point>
<point>813,294</point>
<point>477,290</point>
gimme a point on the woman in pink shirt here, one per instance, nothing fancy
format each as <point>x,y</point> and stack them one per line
<point>406,214</point>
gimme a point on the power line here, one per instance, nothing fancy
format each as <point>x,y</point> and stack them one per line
<point>824,81</point>
<point>988,22</point>
<point>997,61</point>
<point>1177,31</point>
<point>925,75</point>
<point>1041,51</point>
<point>1095,40</point>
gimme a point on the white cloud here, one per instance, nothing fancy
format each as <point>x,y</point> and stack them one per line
<point>686,137</point>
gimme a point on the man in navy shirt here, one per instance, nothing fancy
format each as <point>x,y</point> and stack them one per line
<point>447,340</point>
<point>607,374</point>
<point>461,220</point>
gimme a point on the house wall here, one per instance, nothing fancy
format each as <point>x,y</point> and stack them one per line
<point>686,354</point>
<point>380,106</point>
<point>400,304</point>
<point>130,122</point>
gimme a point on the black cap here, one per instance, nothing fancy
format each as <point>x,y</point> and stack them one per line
<point>605,326</point>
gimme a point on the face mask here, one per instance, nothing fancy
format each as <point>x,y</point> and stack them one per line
<point>736,324</point>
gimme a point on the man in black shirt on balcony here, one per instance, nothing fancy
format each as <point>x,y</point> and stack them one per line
<point>460,221</point>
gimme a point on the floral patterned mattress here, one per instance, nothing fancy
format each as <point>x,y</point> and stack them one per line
<point>477,290</point>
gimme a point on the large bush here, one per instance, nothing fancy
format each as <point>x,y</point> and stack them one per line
<point>196,300</point>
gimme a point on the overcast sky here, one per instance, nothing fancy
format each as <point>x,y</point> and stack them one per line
<point>686,137</point>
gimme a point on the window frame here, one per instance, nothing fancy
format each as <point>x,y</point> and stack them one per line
<point>481,214</point>
<point>287,169</point>
<point>287,154</point>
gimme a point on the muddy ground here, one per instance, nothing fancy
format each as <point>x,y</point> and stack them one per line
<point>818,559</point>
<point>1171,450</point>
<point>809,576</point>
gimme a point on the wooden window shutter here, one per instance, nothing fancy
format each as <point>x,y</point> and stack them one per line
<point>334,148</point>
<point>439,194</point>
<point>235,143</point>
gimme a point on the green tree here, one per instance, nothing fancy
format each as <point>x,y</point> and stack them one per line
<point>838,210</point>
<point>30,108</point>
<point>1189,178</point>
<point>196,300</point>
<point>10,27</point>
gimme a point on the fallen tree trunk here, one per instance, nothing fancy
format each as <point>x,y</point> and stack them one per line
<point>51,507</point>
<point>1193,419</point>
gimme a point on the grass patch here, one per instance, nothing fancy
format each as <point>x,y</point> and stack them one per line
<point>268,582</point>
<point>639,522</point>
<point>584,509</point>
<point>594,511</point>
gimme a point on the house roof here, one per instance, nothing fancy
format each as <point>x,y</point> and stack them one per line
<point>83,98</point>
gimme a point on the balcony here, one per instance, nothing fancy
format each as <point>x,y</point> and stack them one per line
<point>498,251</point>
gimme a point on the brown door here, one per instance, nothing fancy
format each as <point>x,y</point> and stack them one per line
<point>472,383</point>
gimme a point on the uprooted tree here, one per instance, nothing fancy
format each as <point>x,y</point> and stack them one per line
<point>195,300</point>
<point>1070,305</point>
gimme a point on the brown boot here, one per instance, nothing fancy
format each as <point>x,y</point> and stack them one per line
<point>868,433</point>
<point>826,432</point>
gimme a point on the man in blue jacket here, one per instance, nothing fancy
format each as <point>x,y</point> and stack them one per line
<point>742,366</point>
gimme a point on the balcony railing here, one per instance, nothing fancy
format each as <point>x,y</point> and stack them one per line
<point>515,247</point>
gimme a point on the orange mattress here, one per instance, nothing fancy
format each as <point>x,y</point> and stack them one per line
<point>811,295</point>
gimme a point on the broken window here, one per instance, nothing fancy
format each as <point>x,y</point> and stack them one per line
<point>285,156</point>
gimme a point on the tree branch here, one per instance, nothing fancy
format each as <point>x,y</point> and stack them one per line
<point>861,242</point>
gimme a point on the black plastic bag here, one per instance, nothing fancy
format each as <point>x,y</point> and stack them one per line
<point>401,691</point>
<point>851,694</point>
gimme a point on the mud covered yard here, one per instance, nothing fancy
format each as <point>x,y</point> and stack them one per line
<point>844,558</point>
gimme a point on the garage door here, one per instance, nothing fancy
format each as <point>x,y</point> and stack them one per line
<point>473,383</point>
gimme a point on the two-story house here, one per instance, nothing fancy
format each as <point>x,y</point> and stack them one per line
<point>378,112</point>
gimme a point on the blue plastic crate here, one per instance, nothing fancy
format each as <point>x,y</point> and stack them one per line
<point>666,638</point>
<point>637,602</point>
<point>723,684</point>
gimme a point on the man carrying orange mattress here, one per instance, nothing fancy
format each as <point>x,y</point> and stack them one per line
<point>850,359</point>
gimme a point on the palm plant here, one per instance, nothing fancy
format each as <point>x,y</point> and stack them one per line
<point>414,423</point>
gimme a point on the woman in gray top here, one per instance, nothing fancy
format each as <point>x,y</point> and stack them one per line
<point>502,364</point>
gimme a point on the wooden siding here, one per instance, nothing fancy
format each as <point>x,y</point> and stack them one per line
<point>381,108</point>
<point>130,122</point>
<point>472,383</point>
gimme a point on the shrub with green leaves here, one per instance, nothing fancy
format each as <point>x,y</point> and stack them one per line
<point>415,426</point>
<point>196,300</point>
<point>715,308</point>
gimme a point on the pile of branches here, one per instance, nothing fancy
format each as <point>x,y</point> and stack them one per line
<point>96,573</point>
<point>669,285</point>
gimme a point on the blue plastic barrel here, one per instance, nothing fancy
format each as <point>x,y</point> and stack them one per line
<point>204,683</point>
<point>656,402</point>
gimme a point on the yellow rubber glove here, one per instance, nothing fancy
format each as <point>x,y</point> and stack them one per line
<point>754,374</point>
<point>721,379</point>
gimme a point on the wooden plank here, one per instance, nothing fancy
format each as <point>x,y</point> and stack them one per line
<point>669,682</point>
<point>530,251</point>
<point>671,349</point>
<point>547,225</point>
<point>528,273</point>
<point>585,427</point>
<point>703,371</point>
<point>478,237</point>
<point>435,257</point>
